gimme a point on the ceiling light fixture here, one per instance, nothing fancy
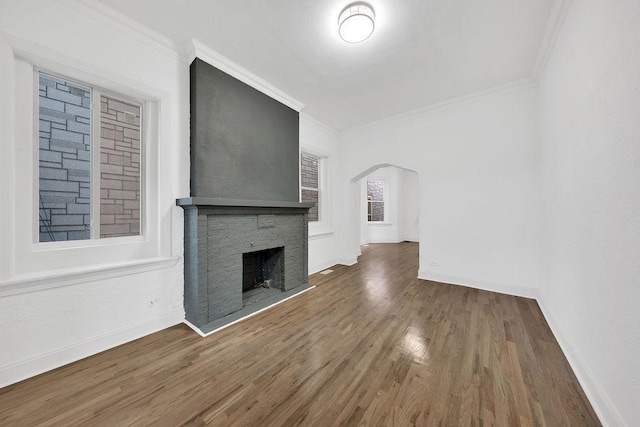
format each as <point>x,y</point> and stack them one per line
<point>356,22</point>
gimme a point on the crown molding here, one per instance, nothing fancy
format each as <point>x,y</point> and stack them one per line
<point>316,122</point>
<point>125,25</point>
<point>522,84</point>
<point>559,11</point>
<point>556,19</point>
<point>221,62</point>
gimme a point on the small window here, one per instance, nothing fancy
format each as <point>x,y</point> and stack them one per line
<point>309,179</point>
<point>89,162</point>
<point>375,201</point>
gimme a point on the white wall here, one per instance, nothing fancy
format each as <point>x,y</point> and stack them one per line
<point>476,165</point>
<point>589,105</point>
<point>409,200</point>
<point>62,314</point>
<point>322,141</point>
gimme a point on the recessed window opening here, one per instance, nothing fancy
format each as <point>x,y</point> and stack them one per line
<point>89,161</point>
<point>310,184</point>
<point>375,201</point>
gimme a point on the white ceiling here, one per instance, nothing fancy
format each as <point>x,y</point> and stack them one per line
<point>422,52</point>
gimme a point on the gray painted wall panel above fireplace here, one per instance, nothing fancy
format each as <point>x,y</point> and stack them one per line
<point>244,144</point>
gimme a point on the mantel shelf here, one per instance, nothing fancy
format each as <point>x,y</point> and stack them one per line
<point>239,203</point>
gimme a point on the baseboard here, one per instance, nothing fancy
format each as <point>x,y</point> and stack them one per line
<point>479,284</point>
<point>602,405</point>
<point>31,367</point>
<point>346,261</point>
<point>323,266</point>
<point>335,261</point>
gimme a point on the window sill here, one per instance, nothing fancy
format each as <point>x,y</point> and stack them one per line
<point>320,235</point>
<point>380,223</point>
<point>57,279</point>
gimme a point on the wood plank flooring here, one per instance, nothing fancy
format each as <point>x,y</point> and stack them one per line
<point>370,345</point>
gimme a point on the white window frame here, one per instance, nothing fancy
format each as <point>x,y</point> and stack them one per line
<point>32,258</point>
<point>385,199</point>
<point>96,93</point>
<point>322,227</point>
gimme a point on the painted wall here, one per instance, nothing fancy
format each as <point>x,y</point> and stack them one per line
<point>589,131</point>
<point>244,144</point>
<point>324,236</point>
<point>520,190</point>
<point>476,166</point>
<point>409,200</point>
<point>76,301</point>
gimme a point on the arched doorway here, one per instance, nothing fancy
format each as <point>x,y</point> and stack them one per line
<point>383,206</point>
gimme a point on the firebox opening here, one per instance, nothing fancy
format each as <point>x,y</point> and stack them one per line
<point>263,270</point>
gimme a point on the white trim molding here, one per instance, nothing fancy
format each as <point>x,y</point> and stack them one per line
<point>556,19</point>
<point>197,49</point>
<point>313,120</point>
<point>123,24</point>
<point>479,284</point>
<point>522,84</point>
<point>602,405</point>
<point>347,261</point>
<point>52,279</point>
<point>48,361</point>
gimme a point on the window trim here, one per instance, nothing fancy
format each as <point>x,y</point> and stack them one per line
<point>96,92</point>
<point>322,227</point>
<point>33,259</point>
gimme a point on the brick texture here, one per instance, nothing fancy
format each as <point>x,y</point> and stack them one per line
<point>309,179</point>
<point>119,168</point>
<point>214,283</point>
<point>64,159</point>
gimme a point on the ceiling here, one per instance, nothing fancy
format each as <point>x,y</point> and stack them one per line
<point>421,53</point>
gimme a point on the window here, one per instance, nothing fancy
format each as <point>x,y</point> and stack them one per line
<point>89,162</point>
<point>375,201</point>
<point>310,188</point>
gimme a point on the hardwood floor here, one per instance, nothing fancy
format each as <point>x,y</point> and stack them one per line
<point>370,345</point>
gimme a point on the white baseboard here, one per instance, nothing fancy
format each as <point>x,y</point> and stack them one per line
<point>598,398</point>
<point>373,242</point>
<point>331,263</point>
<point>31,367</point>
<point>602,405</point>
<point>347,261</point>
<point>316,268</point>
<point>479,284</point>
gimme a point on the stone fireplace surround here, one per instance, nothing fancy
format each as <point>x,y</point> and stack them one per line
<point>217,234</point>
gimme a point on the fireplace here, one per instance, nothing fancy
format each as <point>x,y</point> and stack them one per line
<point>233,246</point>
<point>244,200</point>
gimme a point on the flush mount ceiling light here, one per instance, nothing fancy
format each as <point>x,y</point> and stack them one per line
<point>356,22</point>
